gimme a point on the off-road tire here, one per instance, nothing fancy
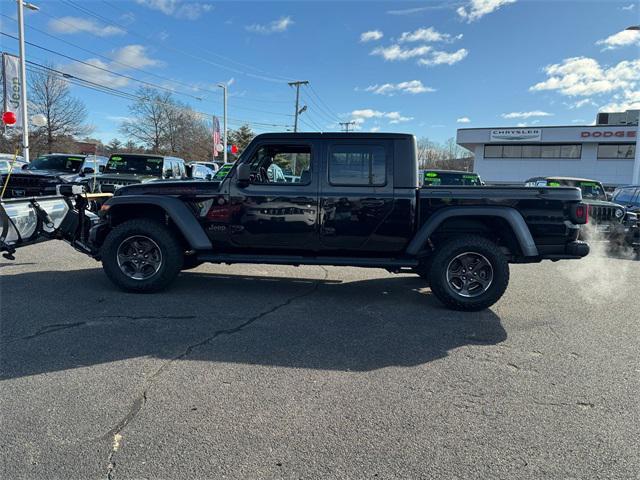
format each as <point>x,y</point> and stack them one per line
<point>455,247</point>
<point>170,264</point>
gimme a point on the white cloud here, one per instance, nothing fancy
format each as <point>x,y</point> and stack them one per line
<point>277,26</point>
<point>396,52</point>
<point>390,89</point>
<point>371,35</point>
<point>585,77</point>
<point>78,25</point>
<point>96,75</point>
<point>581,103</point>
<point>178,8</point>
<point>627,100</point>
<point>525,115</point>
<point>444,58</point>
<point>375,129</point>
<point>135,56</point>
<point>427,35</point>
<point>477,9</point>
<point>621,39</point>
<point>395,117</point>
<point>103,73</point>
<point>360,116</point>
<point>629,7</point>
<point>408,11</point>
<point>463,120</point>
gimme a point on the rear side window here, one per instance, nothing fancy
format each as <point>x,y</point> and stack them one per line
<point>357,165</point>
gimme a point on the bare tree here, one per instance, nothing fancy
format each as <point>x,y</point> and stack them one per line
<point>49,95</point>
<point>149,119</point>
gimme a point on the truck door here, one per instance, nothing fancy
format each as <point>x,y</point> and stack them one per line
<point>356,194</point>
<point>279,206</point>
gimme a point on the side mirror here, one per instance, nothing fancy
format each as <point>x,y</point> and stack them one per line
<point>101,168</point>
<point>88,170</point>
<point>244,173</point>
<point>25,166</point>
<point>208,177</point>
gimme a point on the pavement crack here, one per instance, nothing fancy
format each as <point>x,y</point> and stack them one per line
<point>114,434</point>
<point>54,327</point>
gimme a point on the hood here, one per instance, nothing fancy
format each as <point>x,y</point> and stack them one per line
<point>48,174</point>
<point>124,177</point>
<point>601,203</point>
<point>171,187</point>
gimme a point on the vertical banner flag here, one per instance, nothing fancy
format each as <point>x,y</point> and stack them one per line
<point>11,71</point>
<point>216,136</point>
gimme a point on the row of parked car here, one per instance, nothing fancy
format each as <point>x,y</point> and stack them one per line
<point>42,175</point>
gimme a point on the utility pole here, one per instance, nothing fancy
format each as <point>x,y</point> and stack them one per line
<point>346,125</point>
<point>23,77</point>
<point>297,85</point>
<point>223,86</point>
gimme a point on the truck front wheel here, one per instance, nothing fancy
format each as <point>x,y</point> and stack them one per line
<point>469,273</point>
<point>141,255</point>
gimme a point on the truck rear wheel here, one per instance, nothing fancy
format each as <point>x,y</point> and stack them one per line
<point>469,273</point>
<point>141,256</point>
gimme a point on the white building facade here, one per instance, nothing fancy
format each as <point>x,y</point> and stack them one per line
<point>512,155</point>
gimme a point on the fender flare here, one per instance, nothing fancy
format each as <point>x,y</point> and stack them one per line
<point>177,211</point>
<point>510,215</point>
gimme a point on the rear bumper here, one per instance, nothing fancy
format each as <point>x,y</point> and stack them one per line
<point>571,251</point>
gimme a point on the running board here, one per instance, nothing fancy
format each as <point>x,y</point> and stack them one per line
<point>389,263</point>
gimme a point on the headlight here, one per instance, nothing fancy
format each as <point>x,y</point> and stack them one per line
<point>619,213</point>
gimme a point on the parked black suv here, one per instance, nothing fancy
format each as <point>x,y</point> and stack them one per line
<point>42,175</point>
<point>611,220</point>
<point>132,168</point>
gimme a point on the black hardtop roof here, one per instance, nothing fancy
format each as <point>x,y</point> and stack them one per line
<point>341,135</point>
<point>573,179</point>
<point>441,170</point>
<point>144,155</point>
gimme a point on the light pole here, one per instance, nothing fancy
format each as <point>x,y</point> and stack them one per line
<point>635,178</point>
<point>23,77</point>
<point>223,86</point>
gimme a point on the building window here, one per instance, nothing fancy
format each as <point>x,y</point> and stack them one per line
<point>621,151</point>
<point>357,165</point>
<point>493,151</point>
<point>533,151</point>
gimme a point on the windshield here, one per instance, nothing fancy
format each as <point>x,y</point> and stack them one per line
<point>135,164</point>
<point>223,172</point>
<point>590,190</point>
<point>63,163</point>
<point>4,166</point>
<point>445,178</point>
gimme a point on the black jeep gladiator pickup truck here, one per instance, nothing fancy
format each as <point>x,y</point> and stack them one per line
<point>355,201</point>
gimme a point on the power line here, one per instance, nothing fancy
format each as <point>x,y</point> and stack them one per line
<point>297,111</point>
<point>130,96</point>
<point>323,103</point>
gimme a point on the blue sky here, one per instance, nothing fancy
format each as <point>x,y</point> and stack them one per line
<point>426,68</point>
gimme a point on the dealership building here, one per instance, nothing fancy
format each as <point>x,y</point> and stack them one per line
<point>605,151</point>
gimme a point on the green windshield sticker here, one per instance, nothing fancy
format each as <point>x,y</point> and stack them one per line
<point>554,184</point>
<point>116,159</point>
<point>430,174</point>
<point>154,160</point>
<point>75,159</point>
<point>470,177</point>
<point>588,184</point>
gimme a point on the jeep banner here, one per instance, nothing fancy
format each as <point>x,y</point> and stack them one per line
<point>11,75</point>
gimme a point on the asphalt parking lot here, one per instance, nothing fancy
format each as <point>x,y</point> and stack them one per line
<point>279,372</point>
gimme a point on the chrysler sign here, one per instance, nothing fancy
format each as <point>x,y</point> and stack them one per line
<point>516,135</point>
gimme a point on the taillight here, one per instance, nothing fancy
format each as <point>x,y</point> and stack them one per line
<point>581,213</point>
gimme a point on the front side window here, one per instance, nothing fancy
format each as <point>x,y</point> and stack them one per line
<point>624,196</point>
<point>357,165</point>
<point>277,164</point>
